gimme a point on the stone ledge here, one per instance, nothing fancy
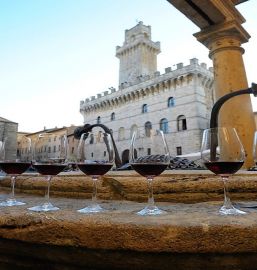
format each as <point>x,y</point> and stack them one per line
<point>171,186</point>
<point>191,236</point>
<point>187,228</point>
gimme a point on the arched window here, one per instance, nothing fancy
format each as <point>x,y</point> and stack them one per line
<point>144,108</point>
<point>91,140</point>
<point>181,123</point>
<point>164,125</point>
<point>98,120</point>
<point>148,127</point>
<point>112,116</point>
<point>121,133</point>
<point>171,102</point>
<point>133,129</point>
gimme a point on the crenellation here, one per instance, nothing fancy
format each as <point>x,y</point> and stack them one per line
<point>175,77</point>
<point>157,73</point>
<point>203,65</point>
<point>193,61</point>
<point>168,69</point>
<point>180,65</point>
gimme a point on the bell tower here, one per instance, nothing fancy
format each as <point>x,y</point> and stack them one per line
<point>138,54</point>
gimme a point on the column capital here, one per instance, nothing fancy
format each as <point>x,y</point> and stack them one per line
<point>225,35</point>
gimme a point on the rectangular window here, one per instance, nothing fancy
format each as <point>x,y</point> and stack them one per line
<point>72,150</point>
<point>179,150</point>
<point>148,151</point>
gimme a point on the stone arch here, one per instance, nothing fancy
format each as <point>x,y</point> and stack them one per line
<point>148,128</point>
<point>181,123</point>
<point>134,128</point>
<point>164,125</point>
<point>121,133</point>
<point>125,156</point>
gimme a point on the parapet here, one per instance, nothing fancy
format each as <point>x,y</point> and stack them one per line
<point>179,70</point>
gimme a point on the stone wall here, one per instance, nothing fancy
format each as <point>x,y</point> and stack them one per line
<point>9,130</point>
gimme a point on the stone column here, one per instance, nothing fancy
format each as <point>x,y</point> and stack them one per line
<point>224,42</point>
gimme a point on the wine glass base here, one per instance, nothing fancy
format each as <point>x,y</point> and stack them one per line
<point>151,211</point>
<point>11,202</point>
<point>249,205</point>
<point>94,208</point>
<point>46,207</point>
<point>231,211</point>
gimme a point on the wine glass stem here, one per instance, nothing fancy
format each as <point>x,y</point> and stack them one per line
<point>94,194</point>
<point>13,179</point>
<point>150,191</point>
<point>227,202</point>
<point>47,197</point>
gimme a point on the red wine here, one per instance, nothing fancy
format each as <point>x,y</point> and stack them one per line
<point>224,167</point>
<point>49,169</point>
<point>95,168</point>
<point>149,169</point>
<point>10,167</point>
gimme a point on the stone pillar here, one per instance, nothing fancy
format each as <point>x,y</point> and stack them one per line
<point>224,42</point>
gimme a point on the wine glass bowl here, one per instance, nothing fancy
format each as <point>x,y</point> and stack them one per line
<point>149,161</point>
<point>95,157</point>
<point>14,162</point>
<point>223,154</point>
<point>49,159</point>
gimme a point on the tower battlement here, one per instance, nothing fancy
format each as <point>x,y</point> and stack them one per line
<point>144,81</point>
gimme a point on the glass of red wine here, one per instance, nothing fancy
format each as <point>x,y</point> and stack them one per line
<point>251,204</point>
<point>95,157</point>
<point>149,156</point>
<point>49,159</point>
<point>223,154</point>
<point>14,162</point>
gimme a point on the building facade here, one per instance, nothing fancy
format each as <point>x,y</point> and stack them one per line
<point>53,147</point>
<point>178,102</point>
<point>8,133</point>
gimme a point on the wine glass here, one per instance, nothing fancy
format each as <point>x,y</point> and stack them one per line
<point>252,204</point>
<point>49,159</point>
<point>255,148</point>
<point>223,154</point>
<point>95,157</point>
<point>149,157</point>
<point>13,162</point>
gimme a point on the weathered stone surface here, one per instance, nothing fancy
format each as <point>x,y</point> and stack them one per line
<point>193,228</point>
<point>171,186</point>
<point>190,236</point>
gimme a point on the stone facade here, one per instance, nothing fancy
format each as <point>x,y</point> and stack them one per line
<point>53,144</point>
<point>8,129</point>
<point>179,101</point>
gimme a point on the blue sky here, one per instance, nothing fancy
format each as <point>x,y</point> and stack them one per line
<point>54,53</point>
